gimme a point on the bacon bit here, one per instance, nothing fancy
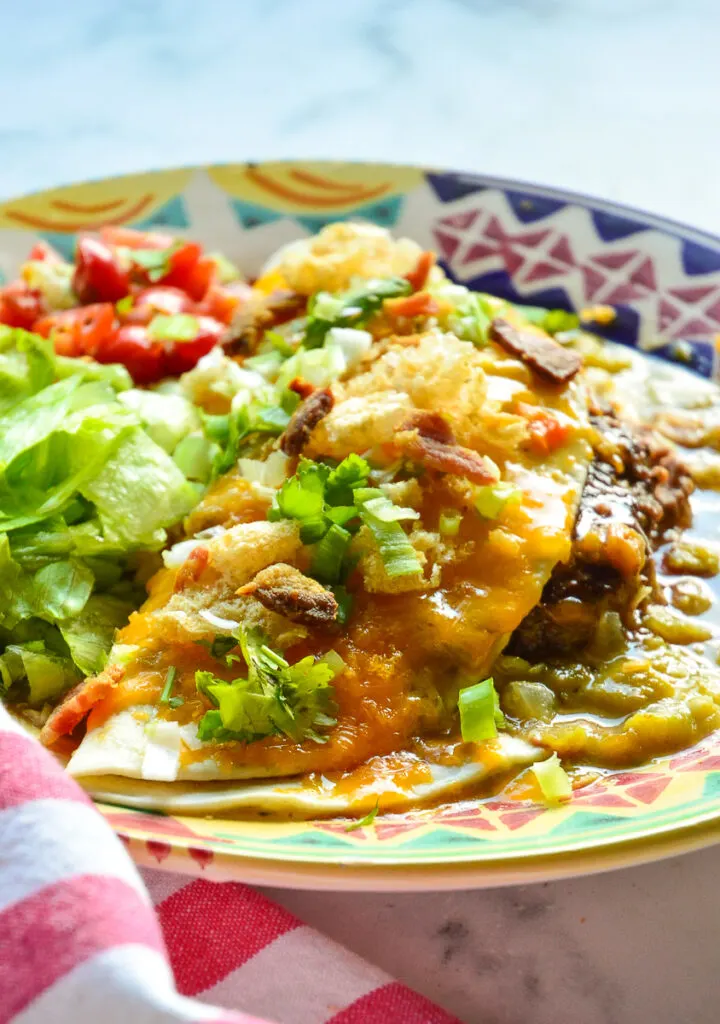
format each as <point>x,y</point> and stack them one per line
<point>419,304</point>
<point>283,589</point>
<point>431,425</point>
<point>537,350</point>
<point>192,568</point>
<point>78,703</point>
<point>301,387</point>
<point>419,275</point>
<point>253,318</point>
<point>447,458</point>
<point>545,432</point>
<point>304,420</point>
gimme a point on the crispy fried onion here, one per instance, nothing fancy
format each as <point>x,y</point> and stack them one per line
<point>427,438</point>
<point>284,589</point>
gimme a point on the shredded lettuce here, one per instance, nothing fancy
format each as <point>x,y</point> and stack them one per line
<point>492,499</point>
<point>83,485</point>
<point>351,309</point>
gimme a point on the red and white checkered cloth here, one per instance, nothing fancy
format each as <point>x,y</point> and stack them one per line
<point>80,942</point>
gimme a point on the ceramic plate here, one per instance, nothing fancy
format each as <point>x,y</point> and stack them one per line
<point>523,242</point>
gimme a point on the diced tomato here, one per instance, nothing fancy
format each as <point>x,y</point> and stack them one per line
<point>81,331</point>
<point>98,274</point>
<point>200,279</point>
<point>221,302</point>
<point>20,306</point>
<point>157,299</point>
<point>545,431</point>
<point>131,238</point>
<point>45,253</point>
<point>143,357</point>
<point>419,274</point>
<point>181,264</point>
<point>419,304</point>
<point>181,356</point>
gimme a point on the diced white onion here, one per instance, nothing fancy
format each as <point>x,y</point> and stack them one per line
<point>270,473</point>
<point>162,754</point>
<point>225,624</point>
<point>174,557</point>
<point>353,343</point>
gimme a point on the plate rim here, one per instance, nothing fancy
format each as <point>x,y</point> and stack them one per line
<point>465,870</point>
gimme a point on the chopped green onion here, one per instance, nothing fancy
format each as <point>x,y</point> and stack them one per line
<point>398,556</point>
<point>382,507</point>
<point>226,269</point>
<point>480,713</point>
<point>554,321</point>
<point>491,500</point>
<point>329,553</point>
<point>450,520</point>
<point>345,604</point>
<point>553,780</point>
<point>176,702</point>
<point>367,820</point>
<point>280,343</point>
<point>178,327</point>
<point>169,682</point>
<point>123,306</point>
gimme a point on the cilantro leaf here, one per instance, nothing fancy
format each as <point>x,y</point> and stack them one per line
<point>367,820</point>
<point>275,698</point>
<point>352,472</point>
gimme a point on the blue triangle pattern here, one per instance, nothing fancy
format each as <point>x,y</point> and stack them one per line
<point>384,213</point>
<point>611,226</point>
<point>528,208</point>
<point>454,186</point>
<point>624,328</point>
<point>62,241</point>
<point>699,259</point>
<point>173,214</point>
<point>711,786</point>
<point>251,215</point>
<point>700,357</point>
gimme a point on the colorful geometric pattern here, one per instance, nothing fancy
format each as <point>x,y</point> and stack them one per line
<point>530,244</point>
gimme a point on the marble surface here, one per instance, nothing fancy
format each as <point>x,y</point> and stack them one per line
<point>612,97</point>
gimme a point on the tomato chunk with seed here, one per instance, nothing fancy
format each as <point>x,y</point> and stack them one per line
<point>181,356</point>
<point>82,331</point>
<point>156,299</point>
<point>99,277</point>
<point>20,306</point>
<point>131,346</point>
